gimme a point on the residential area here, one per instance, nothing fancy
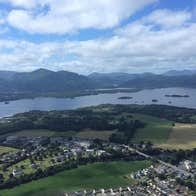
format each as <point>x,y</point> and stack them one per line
<point>43,156</point>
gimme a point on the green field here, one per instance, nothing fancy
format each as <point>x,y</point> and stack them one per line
<point>92,176</point>
<point>40,132</point>
<point>4,149</point>
<point>156,130</point>
<point>92,134</point>
<point>183,136</point>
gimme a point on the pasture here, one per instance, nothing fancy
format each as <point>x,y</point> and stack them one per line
<point>4,149</point>
<point>183,136</point>
<point>156,130</point>
<point>92,176</point>
<point>92,134</point>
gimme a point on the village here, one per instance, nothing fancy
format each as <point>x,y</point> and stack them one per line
<point>50,155</point>
<point>158,180</point>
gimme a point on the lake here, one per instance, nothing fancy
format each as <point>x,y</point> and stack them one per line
<point>141,97</point>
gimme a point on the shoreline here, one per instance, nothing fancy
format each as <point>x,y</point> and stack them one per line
<point>7,97</point>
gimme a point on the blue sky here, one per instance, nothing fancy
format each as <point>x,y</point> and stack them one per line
<point>98,36</point>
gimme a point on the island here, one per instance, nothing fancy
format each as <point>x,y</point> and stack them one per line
<point>178,96</point>
<point>154,100</point>
<point>125,97</point>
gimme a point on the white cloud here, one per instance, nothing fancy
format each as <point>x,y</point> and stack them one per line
<point>136,47</point>
<point>21,3</point>
<point>3,27</point>
<point>60,17</point>
<point>167,18</point>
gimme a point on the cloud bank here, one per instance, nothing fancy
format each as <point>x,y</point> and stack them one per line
<point>160,40</point>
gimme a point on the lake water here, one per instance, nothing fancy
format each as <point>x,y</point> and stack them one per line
<point>141,97</point>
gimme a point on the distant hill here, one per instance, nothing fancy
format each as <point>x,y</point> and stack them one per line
<point>180,73</point>
<point>7,75</point>
<point>44,81</point>
<point>111,79</point>
<point>161,81</point>
<point>47,81</point>
<point>114,79</point>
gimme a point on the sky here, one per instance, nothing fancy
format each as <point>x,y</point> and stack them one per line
<point>86,36</point>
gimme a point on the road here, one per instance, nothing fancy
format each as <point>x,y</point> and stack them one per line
<point>160,161</point>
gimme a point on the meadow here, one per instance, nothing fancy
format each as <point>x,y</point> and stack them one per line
<point>92,134</point>
<point>92,176</point>
<point>4,149</point>
<point>183,136</point>
<point>159,131</point>
<point>156,130</point>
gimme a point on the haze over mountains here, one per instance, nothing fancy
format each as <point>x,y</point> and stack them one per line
<point>45,81</point>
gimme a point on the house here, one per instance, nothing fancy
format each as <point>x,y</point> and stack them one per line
<point>100,152</point>
<point>17,172</point>
<point>90,151</point>
<point>60,158</point>
<point>33,166</point>
<point>189,165</point>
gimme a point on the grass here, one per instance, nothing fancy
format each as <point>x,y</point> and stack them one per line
<point>40,132</point>
<point>65,134</point>
<point>27,169</point>
<point>92,176</point>
<point>86,134</point>
<point>4,149</point>
<point>194,118</point>
<point>92,134</point>
<point>34,133</point>
<point>183,136</point>
<point>156,130</point>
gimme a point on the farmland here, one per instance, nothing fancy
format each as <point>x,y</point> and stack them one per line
<point>92,134</point>
<point>183,136</point>
<point>156,130</point>
<point>4,149</point>
<point>92,176</point>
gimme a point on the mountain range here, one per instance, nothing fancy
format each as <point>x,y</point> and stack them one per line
<point>44,81</point>
<point>184,72</point>
<point>47,81</point>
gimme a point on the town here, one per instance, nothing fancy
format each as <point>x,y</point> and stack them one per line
<point>42,156</point>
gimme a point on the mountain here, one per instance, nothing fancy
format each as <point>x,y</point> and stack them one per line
<point>161,81</point>
<point>7,75</point>
<point>45,81</point>
<point>114,79</point>
<point>185,72</point>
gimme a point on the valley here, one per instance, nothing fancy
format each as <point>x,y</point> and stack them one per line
<point>99,146</point>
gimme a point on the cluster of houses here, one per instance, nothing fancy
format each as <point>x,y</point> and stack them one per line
<point>75,152</point>
<point>68,149</point>
<point>188,165</point>
<point>153,185</point>
<point>20,141</point>
<point>125,191</point>
<point>161,179</point>
<point>11,157</point>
